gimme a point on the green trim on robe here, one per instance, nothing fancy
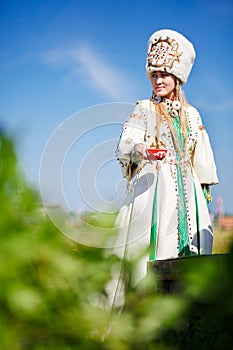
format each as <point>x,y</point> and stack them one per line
<point>153,237</point>
<point>197,220</point>
<point>183,237</point>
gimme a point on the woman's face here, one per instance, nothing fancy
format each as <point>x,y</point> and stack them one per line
<point>163,84</point>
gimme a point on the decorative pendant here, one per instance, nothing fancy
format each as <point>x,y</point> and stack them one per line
<point>176,105</point>
<point>172,107</point>
<point>157,99</point>
<point>168,103</point>
<point>173,113</point>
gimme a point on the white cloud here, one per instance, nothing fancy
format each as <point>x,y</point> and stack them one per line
<point>84,63</point>
<point>103,75</point>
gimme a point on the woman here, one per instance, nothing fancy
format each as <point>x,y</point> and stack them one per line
<point>165,214</point>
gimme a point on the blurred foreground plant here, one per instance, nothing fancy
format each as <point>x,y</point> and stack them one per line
<point>49,285</point>
<point>52,290</point>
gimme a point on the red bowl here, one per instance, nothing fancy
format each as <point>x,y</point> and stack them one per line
<point>157,153</point>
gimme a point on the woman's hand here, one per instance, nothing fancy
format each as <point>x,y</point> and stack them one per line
<point>141,152</point>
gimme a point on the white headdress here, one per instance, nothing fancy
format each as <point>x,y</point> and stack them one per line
<point>171,52</point>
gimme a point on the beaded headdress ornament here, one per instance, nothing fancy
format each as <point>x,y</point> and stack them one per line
<point>171,52</point>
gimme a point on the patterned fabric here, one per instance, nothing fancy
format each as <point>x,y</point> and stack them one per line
<point>169,51</point>
<point>163,52</point>
<point>182,232</point>
<point>159,216</point>
<point>183,239</point>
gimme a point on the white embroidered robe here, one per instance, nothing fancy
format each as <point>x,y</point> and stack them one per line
<point>158,182</point>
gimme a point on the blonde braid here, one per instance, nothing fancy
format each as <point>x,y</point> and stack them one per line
<point>161,111</point>
<point>180,97</point>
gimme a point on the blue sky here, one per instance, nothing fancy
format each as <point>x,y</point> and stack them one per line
<point>62,57</point>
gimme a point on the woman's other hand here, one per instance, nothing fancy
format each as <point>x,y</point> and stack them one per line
<point>141,152</point>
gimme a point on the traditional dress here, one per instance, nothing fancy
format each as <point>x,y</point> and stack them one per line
<point>165,214</point>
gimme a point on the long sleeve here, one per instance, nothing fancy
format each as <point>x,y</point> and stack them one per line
<point>203,159</point>
<point>133,132</point>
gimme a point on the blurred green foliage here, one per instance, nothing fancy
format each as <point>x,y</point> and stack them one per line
<point>52,290</point>
<point>223,239</point>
